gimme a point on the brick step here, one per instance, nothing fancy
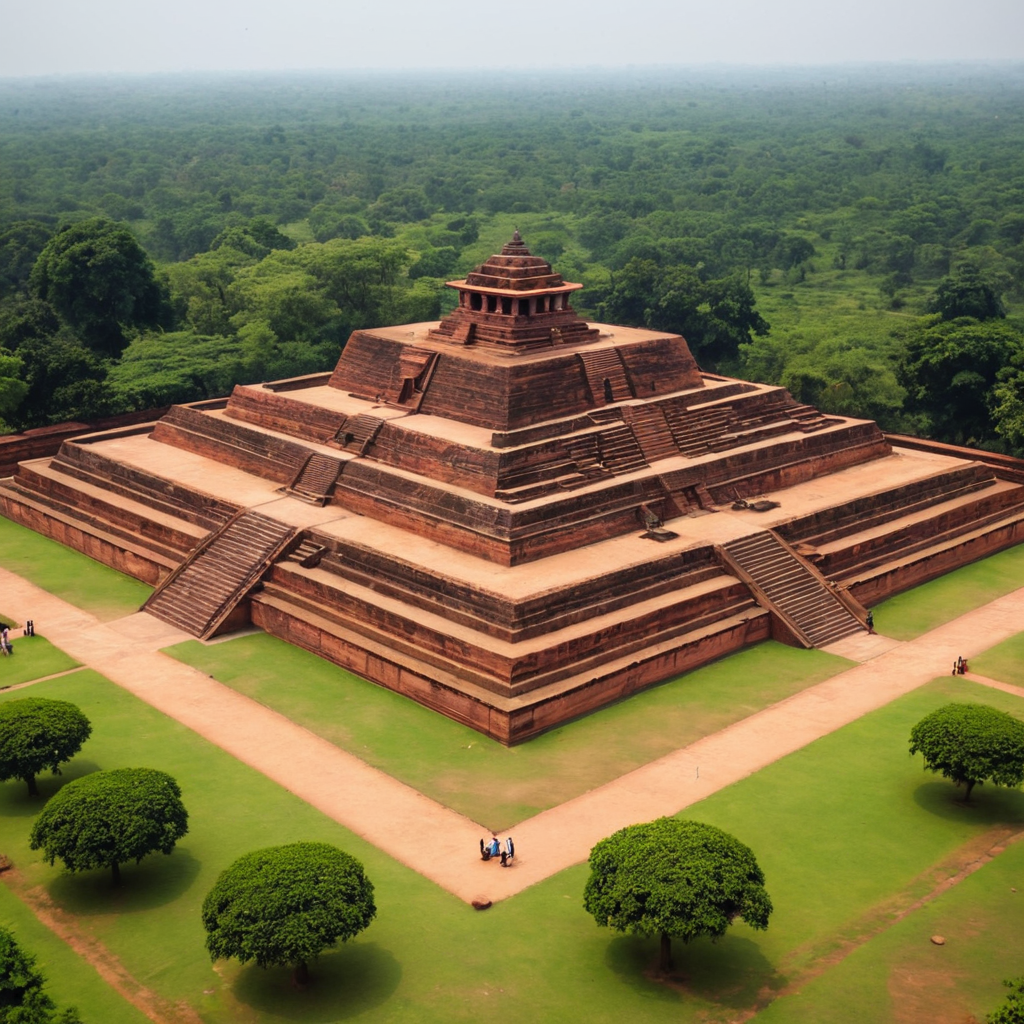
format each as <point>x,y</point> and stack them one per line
<point>318,475</point>
<point>910,545</point>
<point>77,462</point>
<point>93,524</point>
<point>218,574</point>
<point>797,593</point>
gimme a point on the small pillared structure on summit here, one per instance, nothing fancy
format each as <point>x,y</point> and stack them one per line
<point>515,301</point>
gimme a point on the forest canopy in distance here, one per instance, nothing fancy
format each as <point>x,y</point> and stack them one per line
<point>856,234</point>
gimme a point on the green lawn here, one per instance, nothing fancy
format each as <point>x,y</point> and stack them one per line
<point>916,611</point>
<point>76,578</point>
<point>33,658</point>
<point>839,827</point>
<point>902,976</point>
<point>1004,662</point>
<point>70,981</point>
<point>495,785</point>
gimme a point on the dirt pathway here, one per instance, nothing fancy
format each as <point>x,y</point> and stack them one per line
<point>67,928</point>
<point>386,812</point>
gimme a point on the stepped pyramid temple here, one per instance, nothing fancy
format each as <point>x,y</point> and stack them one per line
<point>514,516</point>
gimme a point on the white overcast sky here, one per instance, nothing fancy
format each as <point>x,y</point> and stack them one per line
<point>45,37</point>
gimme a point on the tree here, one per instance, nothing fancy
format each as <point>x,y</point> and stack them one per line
<point>971,743</point>
<point>715,316</point>
<point>37,733</point>
<point>286,904</point>
<point>108,818</point>
<point>949,370</point>
<point>964,293</point>
<point>1012,1010</point>
<point>22,999</point>
<point>100,280</point>
<point>677,879</point>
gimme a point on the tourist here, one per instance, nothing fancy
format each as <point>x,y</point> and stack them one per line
<point>870,622</point>
<point>5,641</point>
<point>493,847</point>
<point>508,853</point>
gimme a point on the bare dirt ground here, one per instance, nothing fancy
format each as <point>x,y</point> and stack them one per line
<point>386,812</point>
<point>67,928</point>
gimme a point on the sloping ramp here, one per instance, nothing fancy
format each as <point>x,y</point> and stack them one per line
<point>793,589</point>
<point>199,595</point>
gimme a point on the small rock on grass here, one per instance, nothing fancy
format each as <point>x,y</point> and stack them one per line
<point>481,904</point>
<point>938,940</point>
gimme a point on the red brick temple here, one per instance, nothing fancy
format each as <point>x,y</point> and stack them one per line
<point>514,516</point>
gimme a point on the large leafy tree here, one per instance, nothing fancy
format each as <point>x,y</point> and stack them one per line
<point>675,879</point>
<point>966,293</point>
<point>100,280</point>
<point>715,316</point>
<point>286,904</point>
<point>108,818</point>
<point>37,734</point>
<point>949,370</point>
<point>22,998</point>
<point>971,744</point>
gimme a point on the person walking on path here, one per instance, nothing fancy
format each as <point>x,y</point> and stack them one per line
<point>508,853</point>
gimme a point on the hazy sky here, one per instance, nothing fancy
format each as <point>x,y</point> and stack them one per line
<point>42,37</point>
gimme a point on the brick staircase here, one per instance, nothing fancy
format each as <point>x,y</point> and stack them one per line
<point>652,432</point>
<point>696,429</point>
<point>359,433</point>
<point>316,479</point>
<point>603,365</point>
<point>795,591</point>
<point>207,587</point>
<point>619,449</point>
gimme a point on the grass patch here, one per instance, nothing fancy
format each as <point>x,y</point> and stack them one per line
<point>33,658</point>
<point>70,575</point>
<point>901,975</point>
<point>916,611</point>
<point>1004,662</point>
<point>70,981</point>
<point>837,827</point>
<point>492,784</point>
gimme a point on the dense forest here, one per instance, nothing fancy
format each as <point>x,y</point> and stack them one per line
<point>856,235</point>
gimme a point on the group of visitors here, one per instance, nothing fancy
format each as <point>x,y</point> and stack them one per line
<point>6,647</point>
<point>493,847</point>
<point>960,666</point>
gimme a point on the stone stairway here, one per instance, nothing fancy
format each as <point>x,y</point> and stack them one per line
<point>359,433</point>
<point>695,430</point>
<point>652,432</point>
<point>619,450</point>
<point>605,366</point>
<point>207,587</point>
<point>794,590</point>
<point>316,479</point>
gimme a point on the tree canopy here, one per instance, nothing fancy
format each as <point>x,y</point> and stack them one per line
<point>1012,1010</point>
<point>109,818</point>
<point>971,744</point>
<point>22,997</point>
<point>97,277</point>
<point>675,879</point>
<point>36,734</point>
<point>286,904</point>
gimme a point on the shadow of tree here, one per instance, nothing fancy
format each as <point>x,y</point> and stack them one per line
<point>156,881</point>
<point>732,972</point>
<point>15,801</point>
<point>990,805</point>
<point>344,983</point>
